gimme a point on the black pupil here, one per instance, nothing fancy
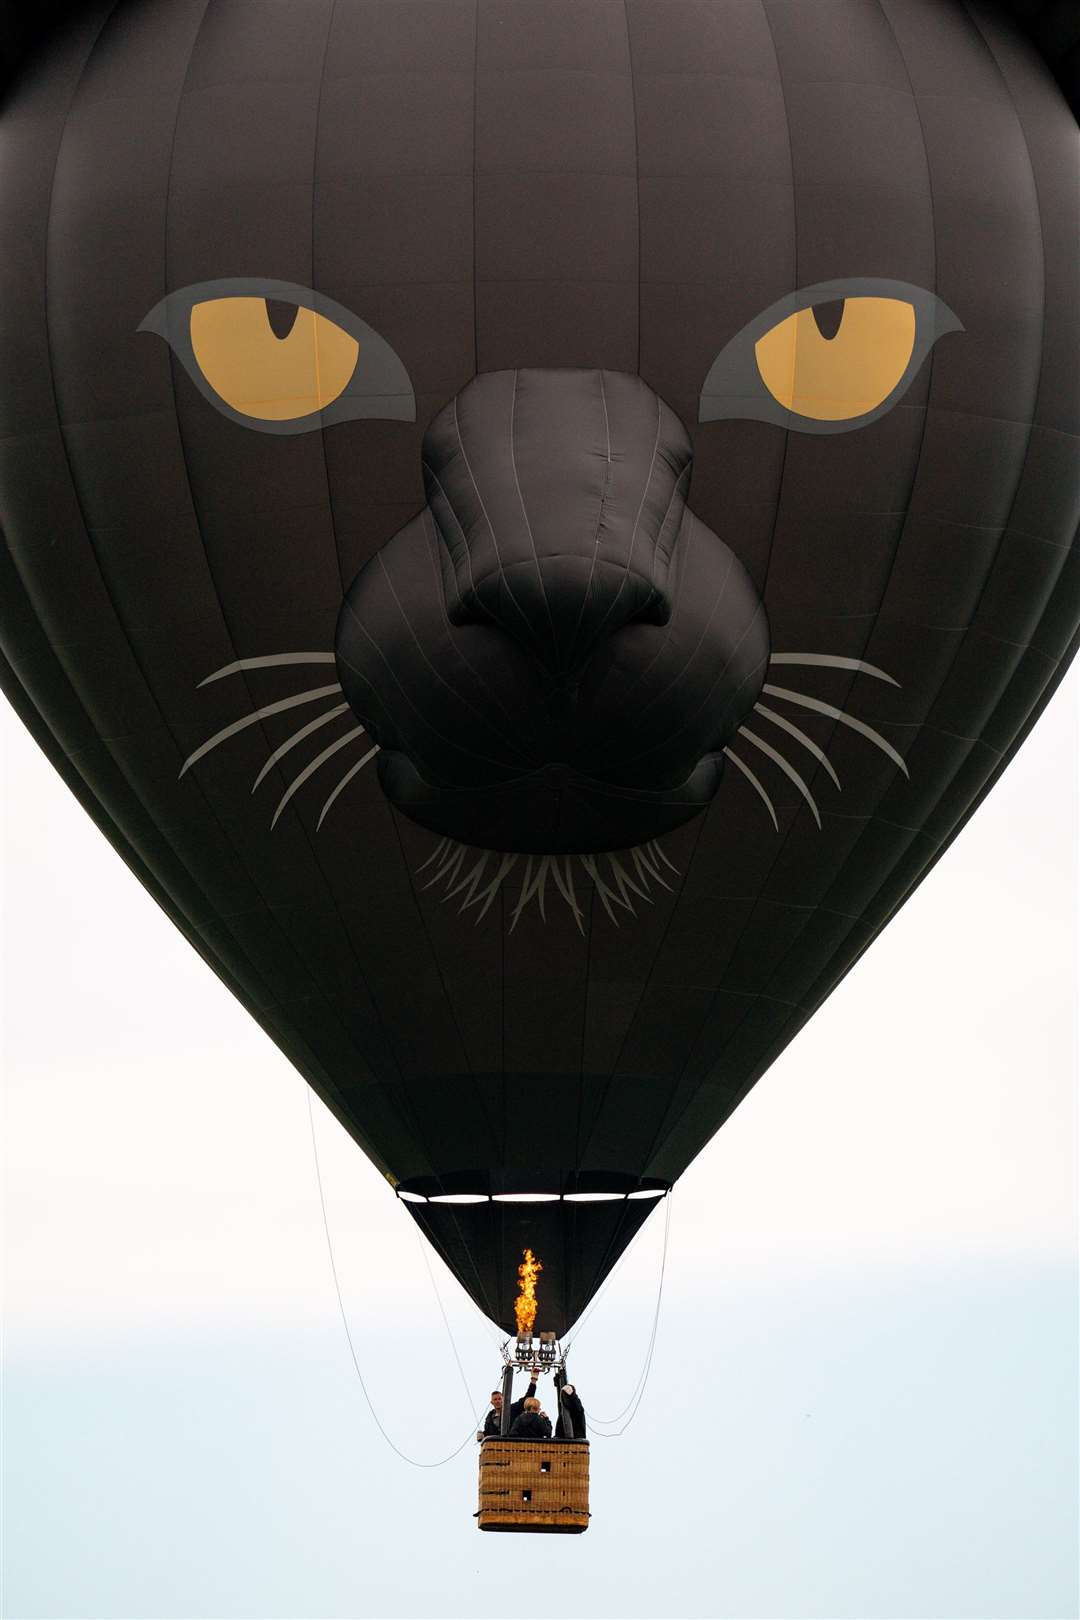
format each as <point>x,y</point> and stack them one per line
<point>282,316</point>
<point>828,317</point>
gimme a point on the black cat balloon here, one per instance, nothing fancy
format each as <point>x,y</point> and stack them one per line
<point>531,524</point>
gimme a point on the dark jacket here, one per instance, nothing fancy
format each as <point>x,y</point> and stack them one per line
<point>571,1404</point>
<point>531,1426</point>
<point>492,1423</point>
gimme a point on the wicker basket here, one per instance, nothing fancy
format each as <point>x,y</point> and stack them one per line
<point>534,1485</point>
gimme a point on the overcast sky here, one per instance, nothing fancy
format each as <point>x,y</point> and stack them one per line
<point>864,1396</point>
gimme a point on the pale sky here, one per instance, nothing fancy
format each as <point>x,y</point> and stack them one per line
<point>864,1396</point>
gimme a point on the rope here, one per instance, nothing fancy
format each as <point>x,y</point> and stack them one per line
<point>597,1297</point>
<point>638,1391</point>
<point>446,1323</point>
<point>605,1285</point>
<point>412,1461</point>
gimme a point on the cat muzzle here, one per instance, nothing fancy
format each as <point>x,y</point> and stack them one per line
<point>554,652</point>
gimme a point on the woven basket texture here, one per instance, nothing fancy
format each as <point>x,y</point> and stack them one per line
<point>534,1485</point>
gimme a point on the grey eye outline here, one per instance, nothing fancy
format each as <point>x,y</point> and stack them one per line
<point>379,387</point>
<point>734,389</point>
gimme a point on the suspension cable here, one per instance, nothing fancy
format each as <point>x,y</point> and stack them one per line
<point>638,1391</point>
<point>597,1297</point>
<point>446,1324</point>
<point>412,1461</point>
<point>605,1285</point>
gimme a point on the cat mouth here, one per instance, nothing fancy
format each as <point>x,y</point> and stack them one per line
<point>473,877</point>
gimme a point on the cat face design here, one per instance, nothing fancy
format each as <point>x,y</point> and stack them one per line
<point>545,460</point>
<point>555,655</point>
<point>556,377</point>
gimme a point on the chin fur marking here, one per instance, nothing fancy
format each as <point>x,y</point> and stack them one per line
<point>476,876</point>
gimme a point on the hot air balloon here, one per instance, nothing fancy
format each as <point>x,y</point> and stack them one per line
<point>530,527</point>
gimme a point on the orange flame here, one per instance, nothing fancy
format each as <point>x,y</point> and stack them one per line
<point>525,1304</point>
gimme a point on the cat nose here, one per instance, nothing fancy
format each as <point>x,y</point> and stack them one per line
<point>558,497</point>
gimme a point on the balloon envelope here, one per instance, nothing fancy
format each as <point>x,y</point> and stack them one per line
<point>531,529</point>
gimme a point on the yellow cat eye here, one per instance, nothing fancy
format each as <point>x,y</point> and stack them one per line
<point>261,375</point>
<point>833,379</point>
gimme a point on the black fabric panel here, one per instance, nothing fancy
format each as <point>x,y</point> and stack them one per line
<point>579,1243</point>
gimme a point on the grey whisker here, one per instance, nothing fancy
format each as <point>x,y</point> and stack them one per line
<point>605,891</point>
<point>311,696</point>
<point>829,661</point>
<point>653,846</point>
<point>488,893</point>
<point>625,881</point>
<point>436,852</point>
<point>452,860</point>
<point>534,884</point>
<point>645,869</point>
<point>467,874</point>
<point>309,770</point>
<point>469,881</point>
<point>268,661</point>
<point>838,714</point>
<point>800,736</point>
<point>541,890</point>
<point>754,783</point>
<point>297,737</point>
<point>524,891</point>
<point>343,784</point>
<point>786,766</point>
<point>564,882</point>
<point>606,895</point>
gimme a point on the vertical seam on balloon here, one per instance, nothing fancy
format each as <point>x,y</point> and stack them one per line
<point>602,1103</point>
<point>161,888</point>
<point>408,699</point>
<point>871,817</point>
<point>433,552</point>
<point>504,583</point>
<point>816,770</point>
<point>347,607</point>
<point>476,188</point>
<point>316,863</point>
<point>82,512</point>
<point>663,938</point>
<point>693,652</point>
<point>668,629</point>
<point>613,604</point>
<point>1005,528</point>
<point>749,676</point>
<point>987,576</point>
<point>939,847</point>
<point>505,1097</point>
<point>604,490</point>
<point>157,885</point>
<point>666,1130</point>
<point>525,514</point>
<point>451,1008</point>
<point>440,679</point>
<point>315,284</point>
<point>794,280</point>
<point>637,166</point>
<point>584,1033</point>
<point>433,475</point>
